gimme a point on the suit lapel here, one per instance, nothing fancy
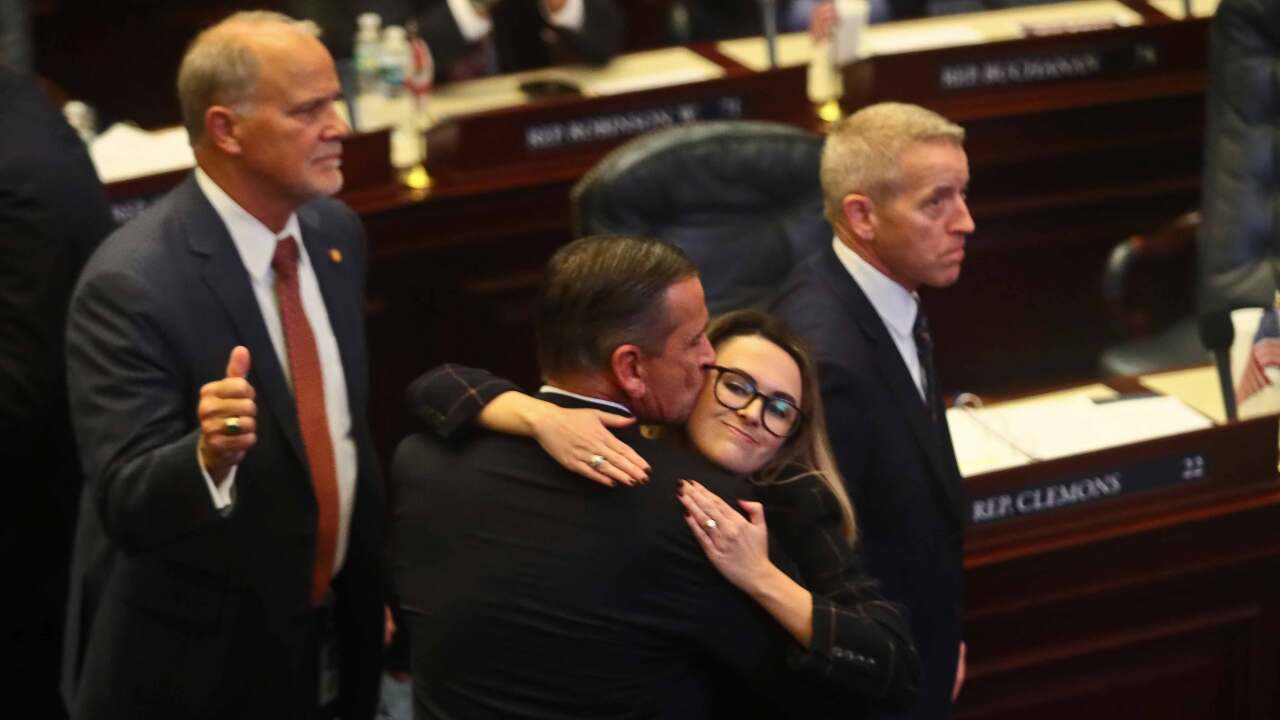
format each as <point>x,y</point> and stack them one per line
<point>893,372</point>
<point>226,278</point>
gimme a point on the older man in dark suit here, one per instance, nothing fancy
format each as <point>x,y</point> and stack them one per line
<point>228,549</point>
<point>894,178</point>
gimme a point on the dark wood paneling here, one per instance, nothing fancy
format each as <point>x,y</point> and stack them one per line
<point>1172,617</point>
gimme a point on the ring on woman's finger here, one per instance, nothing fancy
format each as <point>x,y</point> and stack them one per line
<point>231,425</point>
<point>711,524</point>
<point>596,461</point>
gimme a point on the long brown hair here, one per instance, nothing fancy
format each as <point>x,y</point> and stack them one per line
<point>808,452</point>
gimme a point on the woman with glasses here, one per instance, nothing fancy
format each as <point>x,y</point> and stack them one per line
<point>759,413</point>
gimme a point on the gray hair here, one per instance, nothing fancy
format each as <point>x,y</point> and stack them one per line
<point>221,68</point>
<point>863,151</point>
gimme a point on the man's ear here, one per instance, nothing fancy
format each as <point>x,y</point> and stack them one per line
<point>628,371</point>
<point>220,128</point>
<point>860,215</point>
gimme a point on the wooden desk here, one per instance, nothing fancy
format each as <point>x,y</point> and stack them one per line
<point>1061,171</point>
<point>1157,605</point>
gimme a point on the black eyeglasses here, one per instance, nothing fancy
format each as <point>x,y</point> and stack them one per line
<point>736,390</point>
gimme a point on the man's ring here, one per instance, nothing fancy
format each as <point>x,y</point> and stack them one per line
<point>711,524</point>
<point>232,425</point>
<point>596,461</point>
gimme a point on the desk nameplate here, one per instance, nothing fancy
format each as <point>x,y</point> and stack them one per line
<point>1159,473</point>
<point>1053,498</point>
<point>628,123</point>
<point>1064,64</point>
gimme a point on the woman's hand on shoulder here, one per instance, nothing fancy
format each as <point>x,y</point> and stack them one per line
<point>737,546</point>
<point>581,441</point>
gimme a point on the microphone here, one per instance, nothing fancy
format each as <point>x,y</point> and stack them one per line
<point>769,16</point>
<point>1217,333</point>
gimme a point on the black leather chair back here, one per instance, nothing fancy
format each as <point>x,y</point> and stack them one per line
<point>741,198</point>
<point>1239,240</point>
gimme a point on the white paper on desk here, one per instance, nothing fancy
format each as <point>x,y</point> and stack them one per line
<point>889,40</point>
<point>666,78</point>
<point>125,151</point>
<point>1076,425</point>
<point>978,450</point>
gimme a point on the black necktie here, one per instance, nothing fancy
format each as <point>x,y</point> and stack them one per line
<point>924,350</point>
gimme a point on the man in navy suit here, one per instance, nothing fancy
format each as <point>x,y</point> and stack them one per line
<point>53,213</point>
<point>894,179</point>
<point>227,554</point>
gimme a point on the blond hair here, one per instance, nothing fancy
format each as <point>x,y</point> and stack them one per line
<point>863,151</point>
<point>220,66</point>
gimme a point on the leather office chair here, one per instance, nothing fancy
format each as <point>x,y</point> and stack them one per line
<point>1135,285</point>
<point>742,198</point>
<point>1238,234</point>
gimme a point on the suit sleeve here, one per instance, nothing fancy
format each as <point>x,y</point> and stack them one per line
<point>601,35</point>
<point>849,426</point>
<point>137,432</point>
<point>30,314</point>
<point>449,397</point>
<point>861,642</point>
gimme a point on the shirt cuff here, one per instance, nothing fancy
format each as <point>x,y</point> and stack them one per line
<point>222,495</point>
<point>471,24</point>
<point>569,17</point>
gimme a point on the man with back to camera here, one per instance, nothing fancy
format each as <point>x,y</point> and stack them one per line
<point>529,592</point>
<point>53,213</point>
<point>894,177</point>
<point>227,555</point>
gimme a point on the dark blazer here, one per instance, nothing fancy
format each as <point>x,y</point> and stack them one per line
<point>518,33</point>
<point>861,644</point>
<point>178,610</point>
<point>529,592</point>
<point>899,467</point>
<point>53,213</point>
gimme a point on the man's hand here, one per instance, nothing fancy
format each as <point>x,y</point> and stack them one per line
<point>388,626</point>
<point>228,417</point>
<point>821,21</point>
<point>960,669</point>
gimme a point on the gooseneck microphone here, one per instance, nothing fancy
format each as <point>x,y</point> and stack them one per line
<point>1217,333</point>
<point>769,21</point>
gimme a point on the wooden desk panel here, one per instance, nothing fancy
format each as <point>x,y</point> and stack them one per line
<point>1175,617</point>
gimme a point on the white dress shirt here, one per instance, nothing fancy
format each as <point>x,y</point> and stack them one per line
<point>474,26</point>
<point>256,246</point>
<point>552,389</point>
<point>896,306</point>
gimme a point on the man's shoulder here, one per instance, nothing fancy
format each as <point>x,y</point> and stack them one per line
<point>147,242</point>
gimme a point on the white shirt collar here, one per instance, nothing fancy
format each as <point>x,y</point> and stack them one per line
<point>599,401</point>
<point>255,243</point>
<point>895,305</point>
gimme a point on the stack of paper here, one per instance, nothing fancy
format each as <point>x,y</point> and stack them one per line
<point>1004,436</point>
<point>125,151</point>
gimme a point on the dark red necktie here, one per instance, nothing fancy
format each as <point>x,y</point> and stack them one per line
<point>308,398</point>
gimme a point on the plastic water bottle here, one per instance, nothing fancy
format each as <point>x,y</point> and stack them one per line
<point>367,51</point>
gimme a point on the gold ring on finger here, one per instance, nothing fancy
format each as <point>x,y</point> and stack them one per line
<point>232,425</point>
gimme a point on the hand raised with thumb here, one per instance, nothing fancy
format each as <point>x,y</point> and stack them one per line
<point>228,415</point>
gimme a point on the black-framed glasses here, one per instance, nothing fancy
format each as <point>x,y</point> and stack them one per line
<point>736,390</point>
